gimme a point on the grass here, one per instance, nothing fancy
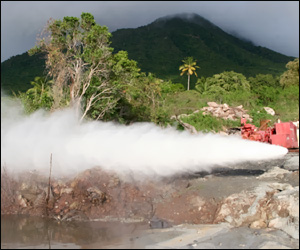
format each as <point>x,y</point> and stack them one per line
<point>286,106</point>
<point>209,123</point>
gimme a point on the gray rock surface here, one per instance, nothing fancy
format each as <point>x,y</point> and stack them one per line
<point>292,164</point>
<point>220,236</point>
<point>262,214</point>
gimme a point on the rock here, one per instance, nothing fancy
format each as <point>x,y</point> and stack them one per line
<point>275,172</point>
<point>22,201</point>
<point>156,222</point>
<point>247,117</point>
<point>287,205</point>
<point>278,202</point>
<point>258,224</point>
<point>272,245</point>
<point>225,112</point>
<point>239,114</point>
<point>222,133</point>
<point>218,237</point>
<point>236,208</point>
<point>75,205</point>
<point>285,225</point>
<point>114,182</point>
<point>96,196</point>
<point>292,163</point>
<point>225,107</point>
<point>187,126</point>
<point>213,104</point>
<point>217,110</point>
<point>66,191</point>
<point>56,192</point>
<point>231,117</point>
<point>269,111</point>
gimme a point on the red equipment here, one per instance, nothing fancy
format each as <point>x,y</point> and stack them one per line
<point>283,134</point>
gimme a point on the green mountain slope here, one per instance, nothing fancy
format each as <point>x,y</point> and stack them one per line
<point>160,47</point>
<point>18,71</point>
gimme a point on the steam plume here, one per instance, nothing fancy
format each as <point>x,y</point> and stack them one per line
<point>141,148</point>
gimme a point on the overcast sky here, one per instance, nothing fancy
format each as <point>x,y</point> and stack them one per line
<point>271,24</point>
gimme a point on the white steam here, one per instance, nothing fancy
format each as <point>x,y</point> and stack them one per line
<point>141,148</point>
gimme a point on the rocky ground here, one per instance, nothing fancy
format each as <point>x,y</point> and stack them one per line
<point>224,111</point>
<point>255,200</point>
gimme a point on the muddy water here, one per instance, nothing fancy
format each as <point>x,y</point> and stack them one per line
<point>39,233</point>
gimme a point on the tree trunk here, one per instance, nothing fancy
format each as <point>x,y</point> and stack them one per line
<point>188,87</point>
<point>72,96</point>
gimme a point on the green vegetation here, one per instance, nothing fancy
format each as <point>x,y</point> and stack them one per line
<point>207,123</point>
<point>291,76</point>
<point>18,71</point>
<point>79,62</point>
<point>86,75</point>
<point>189,67</point>
<point>235,89</point>
<point>82,70</point>
<point>160,47</point>
<point>38,96</point>
<point>225,87</point>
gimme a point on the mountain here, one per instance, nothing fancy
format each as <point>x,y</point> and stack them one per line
<point>160,47</point>
<point>18,71</point>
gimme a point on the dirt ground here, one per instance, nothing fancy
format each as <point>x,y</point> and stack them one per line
<point>192,198</point>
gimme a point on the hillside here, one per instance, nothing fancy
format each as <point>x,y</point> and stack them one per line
<point>18,71</point>
<point>160,47</point>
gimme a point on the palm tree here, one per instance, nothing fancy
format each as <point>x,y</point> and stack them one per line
<point>189,67</point>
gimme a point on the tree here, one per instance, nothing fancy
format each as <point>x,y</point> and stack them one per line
<point>152,91</point>
<point>169,88</point>
<point>126,75</point>
<point>39,96</point>
<point>189,67</point>
<point>144,96</point>
<point>266,88</point>
<point>79,59</point>
<point>291,76</point>
<point>201,85</point>
<point>226,83</point>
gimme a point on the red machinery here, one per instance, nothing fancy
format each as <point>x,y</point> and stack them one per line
<point>283,134</point>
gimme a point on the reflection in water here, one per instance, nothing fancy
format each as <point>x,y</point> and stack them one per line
<point>36,232</point>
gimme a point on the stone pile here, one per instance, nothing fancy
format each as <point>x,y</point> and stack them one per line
<point>217,110</point>
<point>270,205</point>
<point>226,112</point>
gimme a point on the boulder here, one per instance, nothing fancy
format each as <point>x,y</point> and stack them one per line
<point>269,110</point>
<point>213,104</point>
<point>292,164</point>
<point>273,205</point>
